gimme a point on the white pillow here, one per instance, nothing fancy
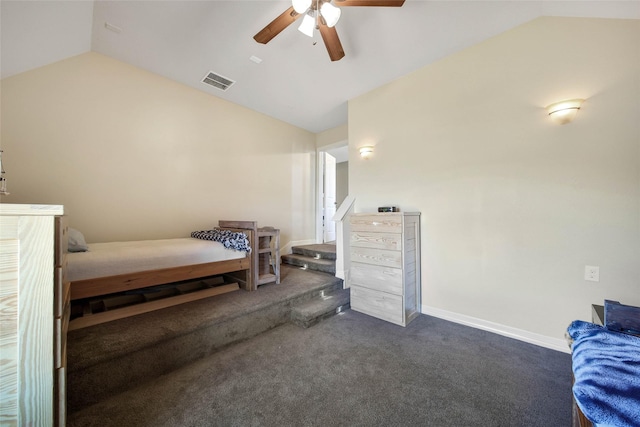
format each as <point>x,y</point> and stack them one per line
<point>76,241</point>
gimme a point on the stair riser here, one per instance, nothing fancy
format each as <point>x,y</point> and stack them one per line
<point>313,253</point>
<point>310,264</point>
<point>98,382</point>
<point>309,313</point>
<point>317,293</point>
<point>308,322</point>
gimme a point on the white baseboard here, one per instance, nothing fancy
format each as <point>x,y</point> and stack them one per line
<point>507,331</point>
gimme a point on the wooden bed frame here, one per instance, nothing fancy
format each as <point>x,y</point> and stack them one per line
<point>578,419</point>
<point>243,270</point>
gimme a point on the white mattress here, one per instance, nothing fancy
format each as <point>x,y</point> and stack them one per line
<point>113,258</point>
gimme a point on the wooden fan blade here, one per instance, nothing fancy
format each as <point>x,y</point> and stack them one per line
<point>387,3</point>
<point>332,42</point>
<point>277,25</point>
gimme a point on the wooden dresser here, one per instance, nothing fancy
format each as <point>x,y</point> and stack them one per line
<point>32,315</point>
<point>61,318</point>
<point>385,265</point>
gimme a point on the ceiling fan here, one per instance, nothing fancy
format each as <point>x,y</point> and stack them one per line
<point>321,15</point>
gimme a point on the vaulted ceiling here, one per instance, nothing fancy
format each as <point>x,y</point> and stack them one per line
<point>295,81</point>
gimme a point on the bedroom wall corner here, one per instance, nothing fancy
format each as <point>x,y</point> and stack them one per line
<point>513,205</point>
<point>133,155</point>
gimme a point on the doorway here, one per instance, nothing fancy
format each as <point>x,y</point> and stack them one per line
<point>333,184</point>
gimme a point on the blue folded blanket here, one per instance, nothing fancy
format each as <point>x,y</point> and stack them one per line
<point>230,239</point>
<point>606,368</point>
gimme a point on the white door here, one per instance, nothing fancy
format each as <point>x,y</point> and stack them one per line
<point>329,198</point>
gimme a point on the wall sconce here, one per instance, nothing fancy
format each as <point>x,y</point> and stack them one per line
<point>564,111</point>
<point>366,152</point>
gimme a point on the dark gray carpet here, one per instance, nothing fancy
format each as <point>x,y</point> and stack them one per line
<point>110,358</point>
<point>106,341</point>
<point>355,370</point>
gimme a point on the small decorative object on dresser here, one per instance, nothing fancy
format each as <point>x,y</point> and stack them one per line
<point>388,209</point>
<point>385,265</point>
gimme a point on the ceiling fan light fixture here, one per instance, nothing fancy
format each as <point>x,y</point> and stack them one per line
<point>301,6</point>
<point>307,26</point>
<point>330,13</point>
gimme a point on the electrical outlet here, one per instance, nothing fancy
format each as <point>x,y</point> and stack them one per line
<point>592,273</point>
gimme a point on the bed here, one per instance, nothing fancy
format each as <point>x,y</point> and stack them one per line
<point>606,370</point>
<point>127,267</point>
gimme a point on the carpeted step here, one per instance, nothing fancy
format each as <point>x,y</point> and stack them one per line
<point>316,251</point>
<point>309,263</point>
<point>110,358</point>
<point>323,306</point>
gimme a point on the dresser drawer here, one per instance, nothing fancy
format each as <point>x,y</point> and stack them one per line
<point>60,397</point>
<point>61,239</point>
<point>61,291</point>
<point>381,257</point>
<point>378,278</point>
<point>378,304</point>
<point>61,328</point>
<point>368,239</point>
<point>389,223</point>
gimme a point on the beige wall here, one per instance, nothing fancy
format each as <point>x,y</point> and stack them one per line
<point>514,206</point>
<point>342,182</point>
<point>132,155</point>
<point>333,136</point>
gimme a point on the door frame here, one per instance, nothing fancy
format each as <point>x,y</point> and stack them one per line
<point>320,183</point>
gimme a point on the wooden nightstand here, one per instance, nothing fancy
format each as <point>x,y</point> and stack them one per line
<point>268,255</point>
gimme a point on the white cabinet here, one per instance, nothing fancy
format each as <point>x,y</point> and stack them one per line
<point>27,314</point>
<point>385,265</point>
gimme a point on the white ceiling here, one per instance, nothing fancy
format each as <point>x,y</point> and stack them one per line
<point>296,82</point>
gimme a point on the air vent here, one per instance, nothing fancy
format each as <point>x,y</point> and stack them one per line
<point>217,81</point>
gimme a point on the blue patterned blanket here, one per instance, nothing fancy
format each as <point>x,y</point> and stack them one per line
<point>230,239</point>
<point>606,368</point>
